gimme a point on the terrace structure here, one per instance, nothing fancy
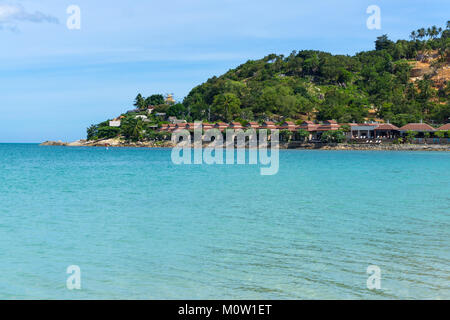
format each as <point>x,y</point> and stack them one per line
<point>363,130</point>
<point>387,131</point>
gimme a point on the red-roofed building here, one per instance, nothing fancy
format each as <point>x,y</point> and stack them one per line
<point>387,130</point>
<point>235,125</point>
<point>328,125</point>
<point>268,125</point>
<point>418,127</point>
<point>252,125</point>
<point>221,126</point>
<point>445,127</point>
<point>288,125</point>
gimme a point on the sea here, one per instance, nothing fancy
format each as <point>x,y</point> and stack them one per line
<point>128,223</point>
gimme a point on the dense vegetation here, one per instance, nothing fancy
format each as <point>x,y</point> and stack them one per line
<point>316,85</point>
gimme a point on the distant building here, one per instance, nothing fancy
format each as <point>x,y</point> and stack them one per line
<point>268,125</point>
<point>288,125</point>
<point>252,125</point>
<point>445,127</point>
<point>115,123</point>
<point>235,125</point>
<point>170,99</point>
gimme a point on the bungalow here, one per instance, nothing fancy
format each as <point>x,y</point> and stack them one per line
<point>164,127</point>
<point>445,127</point>
<point>309,126</point>
<point>387,130</point>
<point>252,125</point>
<point>268,125</point>
<point>420,128</point>
<point>288,125</point>
<point>328,125</point>
<point>207,126</point>
<point>171,127</point>
<point>235,125</point>
<point>181,126</point>
<point>221,126</point>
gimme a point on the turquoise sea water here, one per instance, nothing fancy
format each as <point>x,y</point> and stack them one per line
<point>141,227</point>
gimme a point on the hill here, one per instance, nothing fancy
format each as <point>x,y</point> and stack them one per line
<point>401,82</point>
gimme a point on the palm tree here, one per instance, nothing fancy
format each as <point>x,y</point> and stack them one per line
<point>421,33</point>
<point>413,36</point>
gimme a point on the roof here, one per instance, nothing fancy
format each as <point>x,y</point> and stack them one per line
<point>252,124</point>
<point>387,126</point>
<point>445,127</point>
<point>417,127</point>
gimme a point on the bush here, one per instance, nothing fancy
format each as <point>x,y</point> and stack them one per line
<point>334,136</point>
<point>108,132</point>
<point>302,134</point>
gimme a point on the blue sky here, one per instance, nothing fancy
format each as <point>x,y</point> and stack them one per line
<point>54,82</point>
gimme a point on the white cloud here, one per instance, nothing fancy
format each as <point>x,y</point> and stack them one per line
<point>11,14</point>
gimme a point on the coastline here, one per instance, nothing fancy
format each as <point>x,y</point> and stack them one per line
<point>117,143</point>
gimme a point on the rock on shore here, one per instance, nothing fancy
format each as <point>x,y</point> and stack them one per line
<point>116,142</point>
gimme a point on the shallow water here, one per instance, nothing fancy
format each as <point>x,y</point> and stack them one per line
<point>141,227</point>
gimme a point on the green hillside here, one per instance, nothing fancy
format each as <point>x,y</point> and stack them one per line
<point>315,85</point>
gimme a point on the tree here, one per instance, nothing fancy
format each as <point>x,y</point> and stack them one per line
<point>108,132</point>
<point>410,135</point>
<point>333,136</point>
<point>132,129</point>
<point>302,134</point>
<point>154,100</point>
<point>285,135</point>
<point>227,106</point>
<point>92,132</point>
<point>383,43</point>
<point>139,102</point>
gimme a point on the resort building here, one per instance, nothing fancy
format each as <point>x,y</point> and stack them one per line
<point>288,125</point>
<point>445,127</point>
<point>221,126</point>
<point>363,130</point>
<point>420,128</point>
<point>252,125</point>
<point>115,123</point>
<point>235,125</point>
<point>268,125</point>
<point>387,130</point>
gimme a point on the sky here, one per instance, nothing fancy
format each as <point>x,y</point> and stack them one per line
<point>56,81</point>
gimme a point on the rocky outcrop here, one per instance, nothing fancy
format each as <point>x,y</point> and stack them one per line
<point>283,145</point>
<point>53,143</point>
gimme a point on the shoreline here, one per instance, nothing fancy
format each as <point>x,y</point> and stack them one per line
<point>115,143</point>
